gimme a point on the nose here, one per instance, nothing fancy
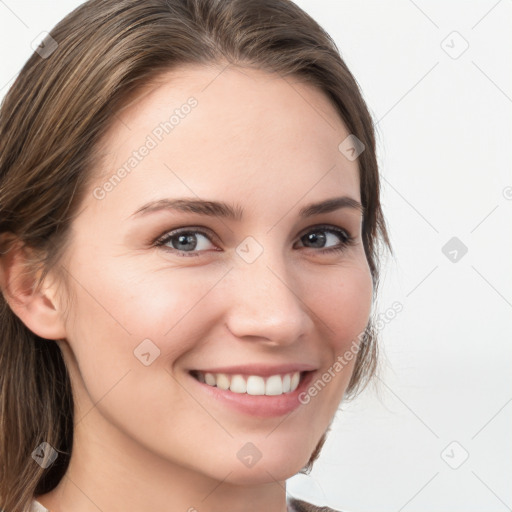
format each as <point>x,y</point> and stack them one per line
<point>266,302</point>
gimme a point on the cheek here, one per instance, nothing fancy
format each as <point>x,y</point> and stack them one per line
<point>343,306</point>
<point>342,300</point>
<point>119,317</point>
<point>128,316</point>
<point>134,301</point>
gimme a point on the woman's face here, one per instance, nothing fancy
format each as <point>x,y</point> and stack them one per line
<point>248,286</point>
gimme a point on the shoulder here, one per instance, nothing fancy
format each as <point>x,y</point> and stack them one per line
<point>303,506</point>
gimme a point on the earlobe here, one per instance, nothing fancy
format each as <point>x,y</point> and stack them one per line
<point>36,307</point>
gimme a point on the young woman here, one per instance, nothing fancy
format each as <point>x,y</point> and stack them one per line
<point>190,229</point>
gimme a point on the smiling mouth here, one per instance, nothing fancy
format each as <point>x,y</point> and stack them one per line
<point>256,385</point>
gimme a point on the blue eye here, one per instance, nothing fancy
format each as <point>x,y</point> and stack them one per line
<point>187,242</point>
<point>183,241</point>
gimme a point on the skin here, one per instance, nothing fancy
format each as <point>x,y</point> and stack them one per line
<point>145,438</point>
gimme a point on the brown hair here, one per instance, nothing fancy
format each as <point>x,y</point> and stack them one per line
<point>52,120</point>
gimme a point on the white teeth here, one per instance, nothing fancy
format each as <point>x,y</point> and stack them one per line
<point>253,384</point>
<point>238,384</point>
<point>209,379</point>
<point>295,381</point>
<point>274,385</point>
<point>222,381</point>
<point>286,383</point>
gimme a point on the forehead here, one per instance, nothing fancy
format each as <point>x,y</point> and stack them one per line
<point>247,129</point>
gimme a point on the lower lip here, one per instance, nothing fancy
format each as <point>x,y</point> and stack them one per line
<point>263,406</point>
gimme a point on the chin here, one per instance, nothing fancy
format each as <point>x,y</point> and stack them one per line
<point>275,463</point>
<point>271,472</point>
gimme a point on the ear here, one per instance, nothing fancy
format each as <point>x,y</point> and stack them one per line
<point>36,308</point>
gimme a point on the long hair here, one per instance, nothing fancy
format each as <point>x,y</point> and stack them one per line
<point>52,121</point>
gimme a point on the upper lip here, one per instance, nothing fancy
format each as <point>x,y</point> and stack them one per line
<point>264,370</point>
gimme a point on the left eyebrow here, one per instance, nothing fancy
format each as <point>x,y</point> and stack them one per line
<point>235,212</point>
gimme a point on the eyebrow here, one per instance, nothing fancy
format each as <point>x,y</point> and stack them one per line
<point>235,212</point>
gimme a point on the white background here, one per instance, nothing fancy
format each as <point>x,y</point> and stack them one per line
<point>445,149</point>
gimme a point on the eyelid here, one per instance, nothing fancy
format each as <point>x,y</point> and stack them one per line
<point>326,227</point>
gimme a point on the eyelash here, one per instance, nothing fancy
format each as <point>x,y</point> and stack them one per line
<point>348,240</point>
